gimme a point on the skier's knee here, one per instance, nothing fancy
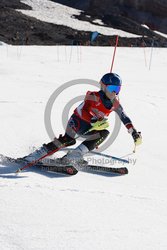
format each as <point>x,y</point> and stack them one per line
<point>64,141</point>
<point>94,143</point>
<point>104,133</point>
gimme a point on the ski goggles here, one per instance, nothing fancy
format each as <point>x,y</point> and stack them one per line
<point>113,88</point>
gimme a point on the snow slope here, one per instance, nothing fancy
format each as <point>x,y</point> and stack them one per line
<point>56,13</point>
<point>86,211</point>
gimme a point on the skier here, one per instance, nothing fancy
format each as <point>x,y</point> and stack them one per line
<point>90,121</point>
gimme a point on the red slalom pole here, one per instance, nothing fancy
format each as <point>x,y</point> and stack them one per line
<point>116,43</point>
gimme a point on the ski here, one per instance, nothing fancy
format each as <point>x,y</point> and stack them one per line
<point>52,166</point>
<point>70,170</point>
<point>120,171</point>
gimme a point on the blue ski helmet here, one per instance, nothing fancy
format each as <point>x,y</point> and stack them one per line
<point>112,81</point>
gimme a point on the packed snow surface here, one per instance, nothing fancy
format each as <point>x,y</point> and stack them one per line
<point>41,210</point>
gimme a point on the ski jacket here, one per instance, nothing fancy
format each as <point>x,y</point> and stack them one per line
<point>96,104</point>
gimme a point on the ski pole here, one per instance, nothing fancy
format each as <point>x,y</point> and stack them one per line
<point>30,164</point>
<point>137,143</point>
<point>102,154</point>
<point>134,150</point>
<point>110,157</point>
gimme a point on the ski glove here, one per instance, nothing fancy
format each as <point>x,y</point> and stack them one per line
<point>99,124</point>
<point>136,136</point>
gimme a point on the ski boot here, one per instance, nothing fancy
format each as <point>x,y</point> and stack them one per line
<point>74,157</point>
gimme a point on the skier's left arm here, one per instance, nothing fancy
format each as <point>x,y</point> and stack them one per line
<point>128,124</point>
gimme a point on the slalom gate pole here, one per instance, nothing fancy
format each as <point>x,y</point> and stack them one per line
<point>113,58</point>
<point>71,54</point>
<point>151,54</point>
<point>145,59</point>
